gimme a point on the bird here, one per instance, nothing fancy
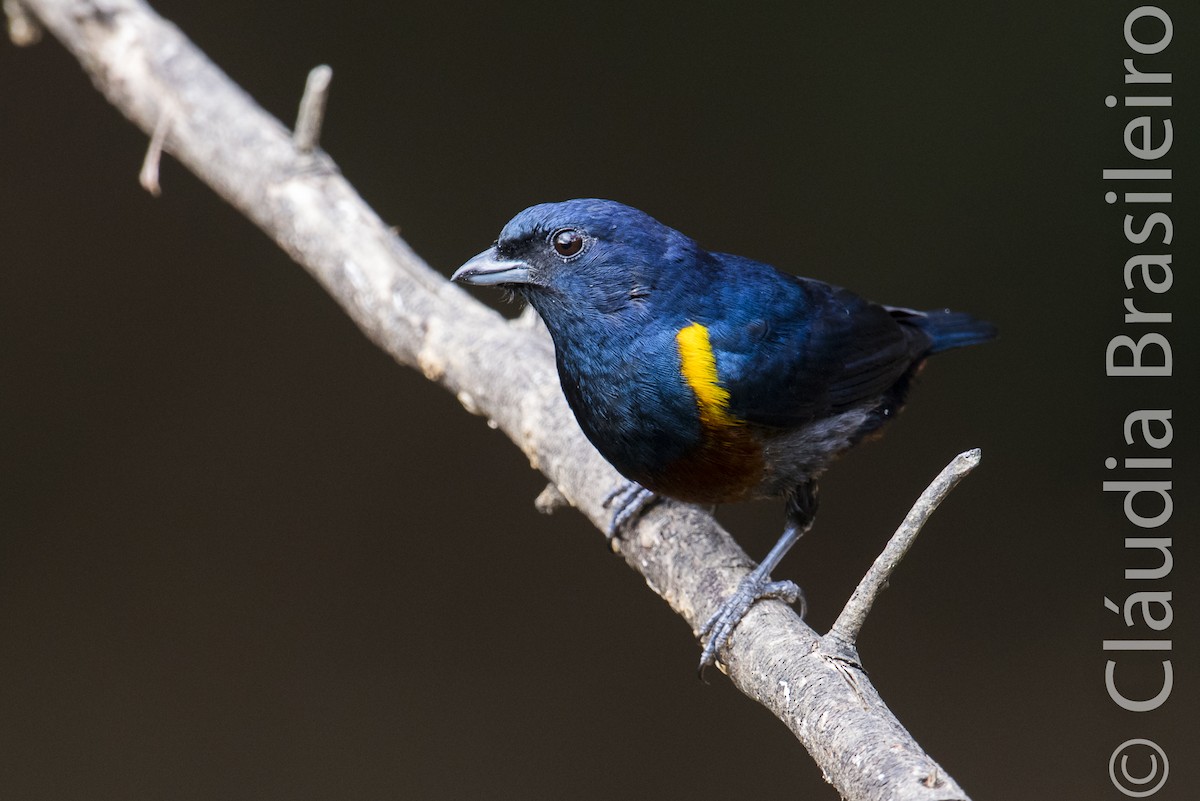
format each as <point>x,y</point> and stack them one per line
<point>708,377</point>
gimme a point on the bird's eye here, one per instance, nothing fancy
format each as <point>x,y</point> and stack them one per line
<point>567,242</point>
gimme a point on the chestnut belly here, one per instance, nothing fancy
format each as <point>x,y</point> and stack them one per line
<point>726,467</point>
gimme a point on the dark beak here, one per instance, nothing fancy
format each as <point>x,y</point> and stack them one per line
<point>488,269</point>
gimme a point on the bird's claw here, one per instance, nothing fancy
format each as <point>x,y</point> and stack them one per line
<point>627,503</point>
<point>729,614</point>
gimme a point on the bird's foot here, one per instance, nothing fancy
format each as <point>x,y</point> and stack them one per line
<point>753,588</point>
<point>627,503</point>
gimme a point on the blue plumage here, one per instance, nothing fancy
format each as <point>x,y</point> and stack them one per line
<point>704,376</point>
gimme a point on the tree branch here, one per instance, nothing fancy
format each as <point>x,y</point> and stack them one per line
<point>848,624</point>
<point>152,73</point>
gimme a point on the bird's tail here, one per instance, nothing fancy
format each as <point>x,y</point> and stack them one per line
<point>945,328</point>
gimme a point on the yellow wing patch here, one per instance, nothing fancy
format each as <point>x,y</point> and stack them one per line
<point>699,367</point>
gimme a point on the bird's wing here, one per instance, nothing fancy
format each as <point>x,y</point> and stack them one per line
<point>808,351</point>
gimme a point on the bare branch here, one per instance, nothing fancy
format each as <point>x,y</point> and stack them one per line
<point>854,614</point>
<point>503,370</point>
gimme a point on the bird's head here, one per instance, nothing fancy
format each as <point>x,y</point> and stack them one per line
<point>583,256</point>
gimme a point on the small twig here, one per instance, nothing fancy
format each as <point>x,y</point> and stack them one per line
<point>550,500</point>
<point>848,624</point>
<point>23,29</point>
<point>148,177</point>
<point>312,109</point>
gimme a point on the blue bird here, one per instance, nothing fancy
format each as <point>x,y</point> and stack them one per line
<point>709,377</point>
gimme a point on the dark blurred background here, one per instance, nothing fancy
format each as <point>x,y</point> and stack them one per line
<point>244,555</point>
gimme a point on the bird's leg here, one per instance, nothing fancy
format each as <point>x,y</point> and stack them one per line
<point>801,509</point>
<point>627,502</point>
